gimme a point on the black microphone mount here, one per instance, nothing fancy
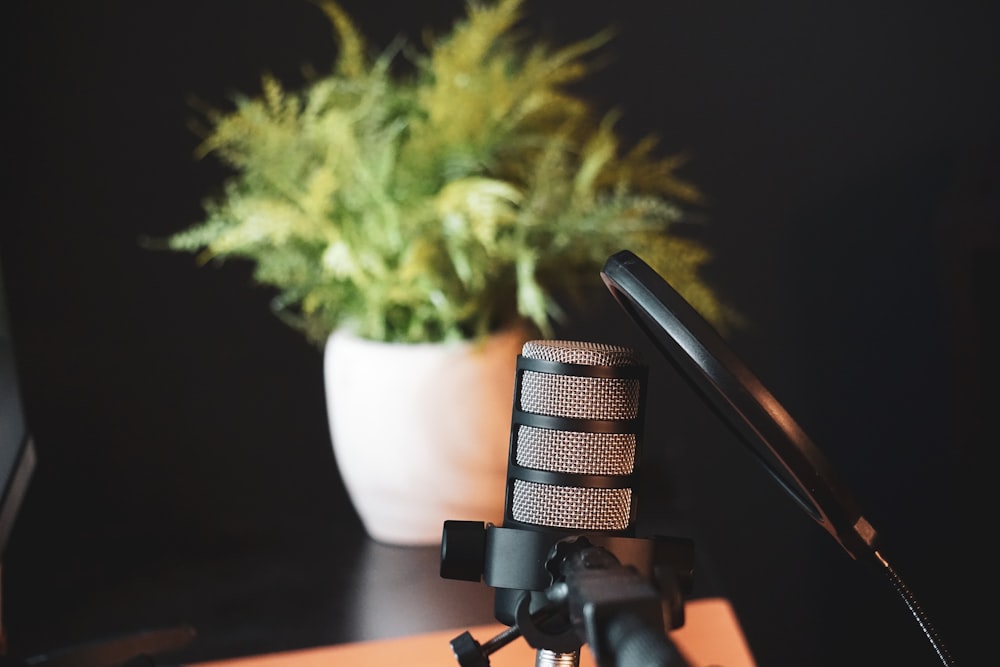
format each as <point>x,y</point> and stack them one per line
<point>619,595</point>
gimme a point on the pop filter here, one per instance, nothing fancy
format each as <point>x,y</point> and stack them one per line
<point>705,360</point>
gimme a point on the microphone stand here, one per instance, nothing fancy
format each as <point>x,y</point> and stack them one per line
<point>619,595</point>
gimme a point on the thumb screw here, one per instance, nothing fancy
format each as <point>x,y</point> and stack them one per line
<point>471,653</point>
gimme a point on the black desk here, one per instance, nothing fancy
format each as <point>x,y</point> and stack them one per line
<point>243,603</point>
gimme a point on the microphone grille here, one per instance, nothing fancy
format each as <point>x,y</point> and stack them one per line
<point>573,507</point>
<point>580,352</point>
<point>576,452</point>
<point>580,397</point>
<point>589,452</point>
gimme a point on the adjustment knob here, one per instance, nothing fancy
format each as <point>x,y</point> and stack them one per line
<point>463,550</point>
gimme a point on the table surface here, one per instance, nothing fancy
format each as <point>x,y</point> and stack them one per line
<point>711,636</point>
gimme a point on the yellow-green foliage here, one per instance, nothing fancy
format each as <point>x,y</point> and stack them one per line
<point>440,203</point>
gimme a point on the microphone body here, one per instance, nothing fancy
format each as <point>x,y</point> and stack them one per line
<point>576,428</point>
<point>575,444</point>
<point>575,437</point>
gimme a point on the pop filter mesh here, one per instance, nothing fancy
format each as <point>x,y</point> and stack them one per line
<point>588,453</point>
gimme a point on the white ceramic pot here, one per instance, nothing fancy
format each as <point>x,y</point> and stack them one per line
<point>421,431</point>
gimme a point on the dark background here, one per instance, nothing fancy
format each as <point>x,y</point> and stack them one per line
<point>849,154</point>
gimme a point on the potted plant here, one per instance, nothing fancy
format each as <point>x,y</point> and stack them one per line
<point>436,198</point>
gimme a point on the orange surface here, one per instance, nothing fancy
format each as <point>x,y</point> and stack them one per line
<point>711,637</point>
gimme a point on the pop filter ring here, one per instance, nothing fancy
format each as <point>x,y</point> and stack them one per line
<point>697,351</point>
<point>704,359</point>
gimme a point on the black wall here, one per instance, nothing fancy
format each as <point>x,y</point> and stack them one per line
<point>849,153</point>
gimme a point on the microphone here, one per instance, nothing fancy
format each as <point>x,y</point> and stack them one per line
<point>575,432</point>
<point>566,564</point>
<point>575,435</point>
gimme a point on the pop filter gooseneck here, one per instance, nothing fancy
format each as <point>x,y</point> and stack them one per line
<point>701,355</point>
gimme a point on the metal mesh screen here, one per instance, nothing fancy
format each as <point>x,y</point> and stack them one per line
<point>576,352</point>
<point>579,508</point>
<point>575,452</point>
<point>580,397</point>
<point>589,453</point>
